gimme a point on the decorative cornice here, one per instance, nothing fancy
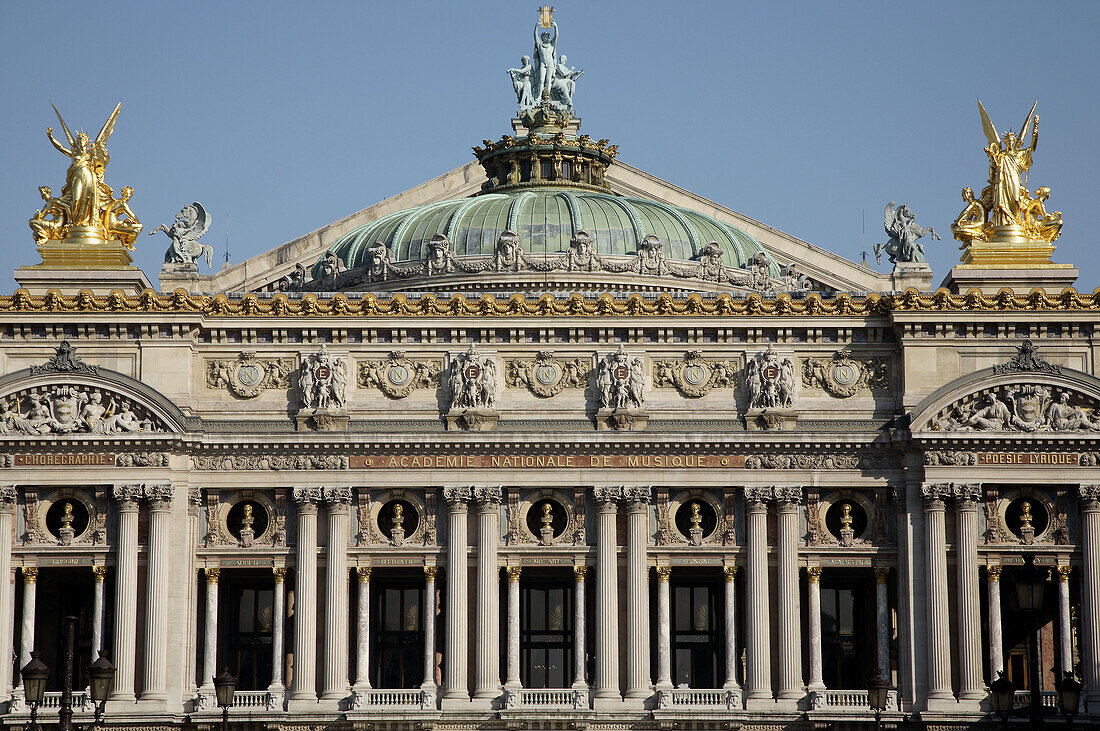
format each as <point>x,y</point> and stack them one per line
<point>548,305</point>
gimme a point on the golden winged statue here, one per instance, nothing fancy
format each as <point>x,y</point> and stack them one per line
<point>87,208</point>
<point>1005,209</point>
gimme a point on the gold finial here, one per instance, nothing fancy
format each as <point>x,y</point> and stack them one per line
<point>86,224</point>
<point>546,16</point>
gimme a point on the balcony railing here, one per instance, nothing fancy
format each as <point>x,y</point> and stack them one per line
<point>51,702</point>
<point>1048,699</point>
<point>685,698</point>
<point>848,701</point>
<point>250,699</point>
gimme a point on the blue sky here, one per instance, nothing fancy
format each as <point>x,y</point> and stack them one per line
<point>807,116</point>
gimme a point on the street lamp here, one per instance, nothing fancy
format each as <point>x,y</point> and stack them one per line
<point>1004,697</point>
<point>34,675</point>
<point>876,697</point>
<point>1069,695</point>
<point>224,687</point>
<point>1030,586</point>
<point>102,675</point>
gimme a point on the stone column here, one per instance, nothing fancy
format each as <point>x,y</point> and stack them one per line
<point>939,640</point>
<point>971,686</point>
<point>362,629</point>
<point>882,618</point>
<point>210,636</point>
<point>336,684</point>
<point>1089,510</point>
<point>789,631</point>
<point>487,628</point>
<point>758,676</point>
<point>124,654</point>
<point>456,688</point>
<point>513,681</point>
<point>993,589</point>
<point>1064,629</point>
<point>606,692</point>
<point>276,690</point>
<point>303,687</point>
<point>731,686</point>
<point>580,646</point>
<point>664,629</point>
<point>7,620</point>
<point>638,683</point>
<point>30,587</point>
<point>158,573</point>
<point>813,610</point>
<point>428,687</point>
<point>99,575</point>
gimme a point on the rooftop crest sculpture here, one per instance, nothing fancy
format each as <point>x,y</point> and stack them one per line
<point>544,76</point>
<point>902,228</point>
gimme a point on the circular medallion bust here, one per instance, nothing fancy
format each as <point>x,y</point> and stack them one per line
<point>398,514</point>
<point>247,515</point>
<point>697,514</point>
<point>67,513</point>
<point>547,512</point>
<point>843,515</point>
<point>1026,517</point>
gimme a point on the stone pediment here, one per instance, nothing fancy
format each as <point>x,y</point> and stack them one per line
<point>66,397</point>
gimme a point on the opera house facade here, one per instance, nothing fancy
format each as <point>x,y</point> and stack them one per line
<point>547,442</point>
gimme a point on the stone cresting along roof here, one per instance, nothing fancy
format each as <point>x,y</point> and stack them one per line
<point>280,304</point>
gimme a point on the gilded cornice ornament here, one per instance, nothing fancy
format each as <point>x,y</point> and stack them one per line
<point>842,376</point>
<point>548,305</point>
<point>546,376</point>
<point>397,376</point>
<point>694,376</point>
<point>247,376</point>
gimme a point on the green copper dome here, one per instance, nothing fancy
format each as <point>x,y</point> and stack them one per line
<point>546,218</point>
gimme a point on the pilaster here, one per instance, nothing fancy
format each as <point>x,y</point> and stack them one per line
<point>487,659</point>
<point>336,684</point>
<point>606,693</point>
<point>124,655</point>
<point>971,686</point>
<point>1089,509</point>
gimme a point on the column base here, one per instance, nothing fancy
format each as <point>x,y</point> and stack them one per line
<point>454,701</point>
<point>276,697</point>
<point>301,704</point>
<point>941,704</point>
<point>606,701</point>
<point>158,695</point>
<point>116,698</point>
<point>334,695</point>
<point>759,702</point>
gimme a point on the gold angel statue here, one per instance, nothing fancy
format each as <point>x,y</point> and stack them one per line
<point>1005,208</point>
<point>87,207</point>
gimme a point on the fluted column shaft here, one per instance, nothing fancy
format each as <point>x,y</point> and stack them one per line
<point>30,591</point>
<point>813,611</point>
<point>996,653</point>
<point>758,680</point>
<point>99,575</point>
<point>336,683</point>
<point>156,592</point>
<point>124,654</point>
<point>210,636</point>
<point>606,689</point>
<point>638,684</point>
<point>882,617</point>
<point>1064,629</point>
<point>455,655</point>
<point>278,611</point>
<point>513,680</point>
<point>664,629</point>
<point>487,658</point>
<point>787,597</point>
<point>1089,508</point>
<point>362,629</point>
<point>579,644</point>
<point>971,686</point>
<point>939,641</point>
<point>7,620</point>
<point>304,681</point>
<point>731,683</point>
<point>429,631</point>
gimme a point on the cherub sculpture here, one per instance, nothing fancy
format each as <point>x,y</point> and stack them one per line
<point>191,223</point>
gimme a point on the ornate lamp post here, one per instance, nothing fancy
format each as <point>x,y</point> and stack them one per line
<point>1030,587</point>
<point>34,675</point>
<point>102,675</point>
<point>1004,695</point>
<point>1069,696</point>
<point>876,697</point>
<point>225,685</point>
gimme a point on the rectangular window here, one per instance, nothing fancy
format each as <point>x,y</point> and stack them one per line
<point>696,640</point>
<point>398,659</point>
<point>547,170</point>
<point>546,633</point>
<point>844,647</point>
<point>251,620</point>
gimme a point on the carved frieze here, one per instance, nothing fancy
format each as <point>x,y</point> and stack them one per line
<point>235,462</point>
<point>693,376</point>
<point>843,376</point>
<point>546,376</point>
<point>1020,408</point>
<point>397,376</point>
<point>70,409</point>
<point>247,376</point>
<point>822,461</point>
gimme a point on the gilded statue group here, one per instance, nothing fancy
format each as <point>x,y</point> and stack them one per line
<point>87,207</point>
<point>1005,204</point>
<point>544,74</point>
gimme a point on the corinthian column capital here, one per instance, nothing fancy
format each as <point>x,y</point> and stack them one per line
<point>636,498</point>
<point>158,496</point>
<point>966,494</point>
<point>306,499</point>
<point>488,495</point>
<point>127,496</point>
<point>1090,497</point>
<point>607,494</point>
<point>458,496</point>
<point>934,493</point>
<point>337,498</point>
